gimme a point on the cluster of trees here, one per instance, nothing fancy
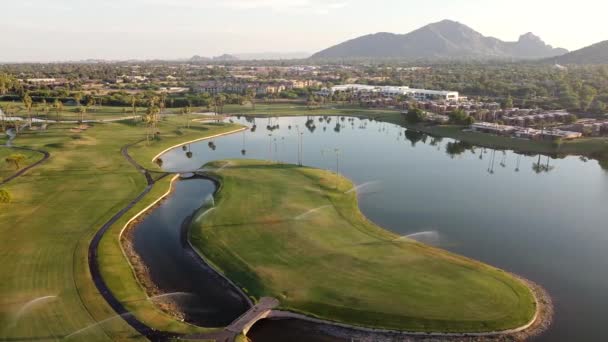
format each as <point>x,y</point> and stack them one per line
<point>460,117</point>
<point>578,89</point>
<point>415,115</point>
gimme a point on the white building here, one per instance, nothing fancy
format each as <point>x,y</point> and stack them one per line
<point>393,91</point>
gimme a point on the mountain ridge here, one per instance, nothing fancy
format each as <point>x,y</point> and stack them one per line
<point>446,39</point>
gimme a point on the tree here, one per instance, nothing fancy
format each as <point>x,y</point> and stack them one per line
<point>507,103</point>
<point>219,101</point>
<point>16,159</point>
<point>185,111</point>
<point>460,117</point>
<point>415,115</point>
<point>150,119</point>
<point>598,107</point>
<point>570,119</point>
<point>28,103</point>
<point>82,111</point>
<point>5,196</point>
<point>78,98</point>
<point>58,106</point>
<point>251,97</point>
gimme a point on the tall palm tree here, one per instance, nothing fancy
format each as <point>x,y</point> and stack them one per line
<point>251,97</point>
<point>82,111</point>
<point>58,106</point>
<point>28,103</point>
<point>150,119</point>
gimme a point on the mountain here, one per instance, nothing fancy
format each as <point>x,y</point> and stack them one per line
<point>225,58</point>
<point>197,58</point>
<point>594,54</point>
<point>443,40</point>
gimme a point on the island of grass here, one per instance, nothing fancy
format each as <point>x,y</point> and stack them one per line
<point>296,234</point>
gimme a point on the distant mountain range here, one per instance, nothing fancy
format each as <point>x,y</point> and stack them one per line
<point>443,40</point>
<point>594,54</point>
<point>252,56</point>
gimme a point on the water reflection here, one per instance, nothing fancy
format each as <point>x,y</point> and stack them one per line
<point>506,220</point>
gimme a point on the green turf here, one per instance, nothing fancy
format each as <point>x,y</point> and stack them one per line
<point>6,169</point>
<point>56,209</point>
<point>335,264</point>
<point>71,112</point>
<point>297,109</point>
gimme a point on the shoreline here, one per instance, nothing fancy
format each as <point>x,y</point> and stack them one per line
<point>197,140</point>
<point>538,324</point>
<point>141,271</point>
<point>541,320</point>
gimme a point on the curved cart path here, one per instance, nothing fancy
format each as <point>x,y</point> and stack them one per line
<point>9,144</point>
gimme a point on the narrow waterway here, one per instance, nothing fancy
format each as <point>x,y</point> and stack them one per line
<point>161,241</point>
<point>538,216</point>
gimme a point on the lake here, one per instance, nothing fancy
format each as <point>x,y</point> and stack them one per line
<point>536,216</point>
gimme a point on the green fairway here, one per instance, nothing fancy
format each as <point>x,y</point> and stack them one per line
<point>298,109</point>
<point>297,234</point>
<point>8,169</point>
<point>71,112</point>
<point>56,209</point>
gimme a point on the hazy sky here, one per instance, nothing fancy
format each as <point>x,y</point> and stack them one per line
<point>49,30</point>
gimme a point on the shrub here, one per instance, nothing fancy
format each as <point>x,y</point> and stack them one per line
<point>5,196</point>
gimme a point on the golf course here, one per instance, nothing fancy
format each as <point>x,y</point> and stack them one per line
<point>46,288</point>
<point>296,234</point>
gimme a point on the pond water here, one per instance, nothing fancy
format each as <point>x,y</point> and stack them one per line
<point>539,217</point>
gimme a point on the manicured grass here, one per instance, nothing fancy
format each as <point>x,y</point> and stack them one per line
<point>6,169</point>
<point>336,265</point>
<point>281,109</point>
<point>57,207</point>
<point>71,112</point>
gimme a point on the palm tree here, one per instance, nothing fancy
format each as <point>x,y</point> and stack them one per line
<point>150,120</point>
<point>45,108</point>
<point>219,101</point>
<point>185,111</point>
<point>162,102</point>
<point>78,98</point>
<point>134,105</point>
<point>3,110</point>
<point>82,111</point>
<point>58,106</point>
<point>251,97</point>
<point>90,102</point>
<point>28,103</point>
<point>15,159</point>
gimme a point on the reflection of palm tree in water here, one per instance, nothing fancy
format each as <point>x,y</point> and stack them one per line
<point>503,162</point>
<point>481,153</point>
<point>491,165</point>
<point>539,167</point>
<point>518,163</point>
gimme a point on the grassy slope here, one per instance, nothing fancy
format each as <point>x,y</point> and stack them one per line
<point>336,265</point>
<point>46,231</point>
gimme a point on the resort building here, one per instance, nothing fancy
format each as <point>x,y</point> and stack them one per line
<point>393,91</point>
<point>524,133</point>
